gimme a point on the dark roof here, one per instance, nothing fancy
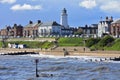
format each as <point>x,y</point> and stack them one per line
<point>33,24</point>
<point>53,23</point>
<point>94,25</point>
<point>88,27</point>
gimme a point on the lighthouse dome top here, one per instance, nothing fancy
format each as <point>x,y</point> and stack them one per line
<point>64,10</point>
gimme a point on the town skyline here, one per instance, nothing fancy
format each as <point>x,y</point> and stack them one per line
<point>80,12</point>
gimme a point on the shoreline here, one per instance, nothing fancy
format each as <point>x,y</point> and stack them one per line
<point>107,54</point>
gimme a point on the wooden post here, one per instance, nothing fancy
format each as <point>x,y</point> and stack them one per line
<point>36,61</point>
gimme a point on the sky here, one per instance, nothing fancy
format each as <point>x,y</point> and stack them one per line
<point>80,12</point>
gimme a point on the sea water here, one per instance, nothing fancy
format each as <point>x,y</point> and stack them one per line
<point>22,67</point>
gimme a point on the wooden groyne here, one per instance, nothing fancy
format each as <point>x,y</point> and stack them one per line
<point>115,59</point>
<point>18,53</point>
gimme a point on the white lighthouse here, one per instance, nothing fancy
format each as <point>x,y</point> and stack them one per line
<point>63,20</point>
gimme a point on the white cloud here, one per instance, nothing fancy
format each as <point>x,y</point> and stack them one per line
<point>7,1</point>
<point>25,7</point>
<point>111,6</point>
<point>89,4</point>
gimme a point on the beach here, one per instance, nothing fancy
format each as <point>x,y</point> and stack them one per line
<point>73,51</point>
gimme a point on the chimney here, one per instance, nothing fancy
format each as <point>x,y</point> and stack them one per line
<point>15,25</point>
<point>30,22</point>
<point>111,19</point>
<point>106,18</point>
<point>39,21</point>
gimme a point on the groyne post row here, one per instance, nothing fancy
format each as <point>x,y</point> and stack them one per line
<point>18,53</point>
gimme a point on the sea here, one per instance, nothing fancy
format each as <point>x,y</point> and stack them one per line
<point>23,67</point>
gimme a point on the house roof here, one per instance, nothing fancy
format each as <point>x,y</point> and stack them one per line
<point>53,23</point>
<point>116,21</point>
<point>33,24</point>
<point>94,25</point>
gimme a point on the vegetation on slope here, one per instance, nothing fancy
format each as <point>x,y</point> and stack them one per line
<point>115,45</point>
<point>70,41</point>
<point>31,44</point>
<point>105,43</point>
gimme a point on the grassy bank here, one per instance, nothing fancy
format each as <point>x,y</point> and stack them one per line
<point>115,45</point>
<point>105,43</point>
<point>46,44</point>
<point>31,44</point>
<point>70,42</point>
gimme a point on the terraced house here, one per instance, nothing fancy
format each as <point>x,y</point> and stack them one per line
<point>31,30</point>
<point>115,28</point>
<point>15,31</point>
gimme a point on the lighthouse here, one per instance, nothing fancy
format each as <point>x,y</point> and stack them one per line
<point>64,21</point>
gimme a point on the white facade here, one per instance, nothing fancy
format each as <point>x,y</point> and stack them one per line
<point>103,27</point>
<point>50,28</point>
<point>64,21</point>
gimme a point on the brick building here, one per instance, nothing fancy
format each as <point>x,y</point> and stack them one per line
<point>115,28</point>
<point>31,30</point>
<point>15,31</point>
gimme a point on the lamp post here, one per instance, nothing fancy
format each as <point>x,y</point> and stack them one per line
<point>36,62</point>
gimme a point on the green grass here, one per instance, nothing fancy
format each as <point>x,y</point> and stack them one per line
<point>115,46</point>
<point>31,44</point>
<point>47,45</point>
<point>67,42</point>
<point>0,44</point>
<point>70,42</point>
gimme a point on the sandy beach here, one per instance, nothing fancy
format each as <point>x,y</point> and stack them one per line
<point>73,51</point>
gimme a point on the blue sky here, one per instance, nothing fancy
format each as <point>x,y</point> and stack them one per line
<point>80,12</point>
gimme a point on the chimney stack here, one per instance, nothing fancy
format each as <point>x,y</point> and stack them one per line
<point>111,19</point>
<point>30,22</point>
<point>15,25</point>
<point>107,18</point>
<point>39,21</point>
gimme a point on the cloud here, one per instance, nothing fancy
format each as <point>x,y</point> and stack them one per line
<point>111,6</point>
<point>89,4</point>
<point>25,7</point>
<point>7,1</point>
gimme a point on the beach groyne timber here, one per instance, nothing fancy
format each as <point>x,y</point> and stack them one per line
<point>18,53</point>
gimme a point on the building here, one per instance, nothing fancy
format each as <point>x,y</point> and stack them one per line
<point>15,31</point>
<point>89,31</point>
<point>63,19</point>
<point>39,28</point>
<point>115,28</point>
<point>31,30</point>
<point>3,33</point>
<point>104,26</point>
<point>49,28</point>
<point>65,29</point>
<point>54,28</point>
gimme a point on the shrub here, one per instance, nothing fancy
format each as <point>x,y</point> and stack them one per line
<point>92,41</point>
<point>105,41</point>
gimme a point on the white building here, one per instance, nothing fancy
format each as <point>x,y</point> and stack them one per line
<point>63,19</point>
<point>49,28</point>
<point>104,27</point>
